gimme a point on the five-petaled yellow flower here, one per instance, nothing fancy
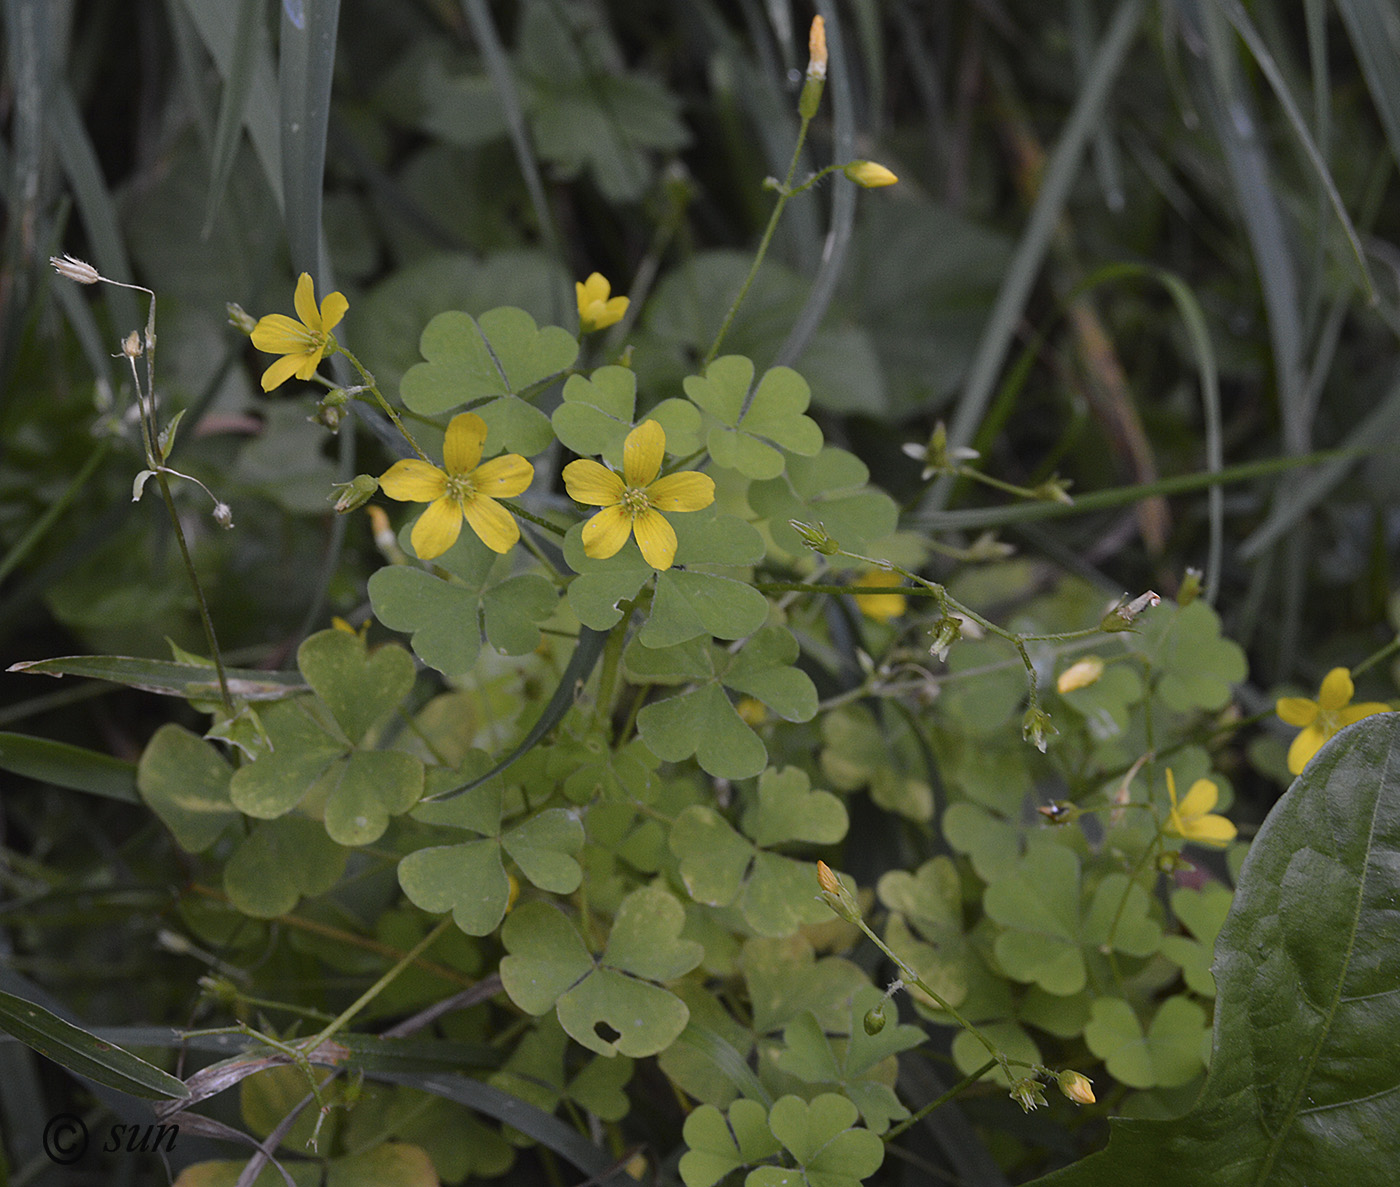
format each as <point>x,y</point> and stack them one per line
<point>632,502</point>
<point>1323,717</point>
<point>1192,818</point>
<point>302,344</point>
<point>464,490</point>
<point>595,310</point>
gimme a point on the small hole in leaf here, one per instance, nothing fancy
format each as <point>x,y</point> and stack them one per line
<point>607,1033</point>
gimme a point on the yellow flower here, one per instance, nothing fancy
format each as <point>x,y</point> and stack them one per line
<point>1193,820</point>
<point>881,607</point>
<point>595,310</point>
<point>465,490</point>
<point>303,344</point>
<point>1323,717</point>
<point>869,174</point>
<point>632,502</point>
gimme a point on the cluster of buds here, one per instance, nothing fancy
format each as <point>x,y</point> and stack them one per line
<point>815,537</point>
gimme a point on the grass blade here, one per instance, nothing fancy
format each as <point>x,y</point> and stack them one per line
<point>306,64</point>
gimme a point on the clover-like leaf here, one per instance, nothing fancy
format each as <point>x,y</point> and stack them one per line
<point>1037,902</point>
<point>716,1146</point>
<point>822,1140</point>
<point>1170,1053</point>
<point>831,489</point>
<point>494,358</point>
<point>1197,664</point>
<point>788,810</point>
<point>689,605</point>
<point>185,782</point>
<point>1203,913</point>
<point>545,956</point>
<point>597,594</point>
<point>371,786</point>
<point>279,862</point>
<point>597,413</point>
<point>360,688</point>
<point>444,614</point>
<point>702,722</point>
<point>764,669</point>
<point>857,752</point>
<point>784,978</point>
<point>739,438</point>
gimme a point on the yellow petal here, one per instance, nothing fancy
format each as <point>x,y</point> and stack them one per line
<point>307,362</point>
<point>1354,713</point>
<point>603,314</point>
<point>1171,788</point>
<point>1336,691</point>
<point>280,371</point>
<point>642,454</point>
<point>461,449</point>
<point>687,491</point>
<point>595,288</point>
<point>503,477</point>
<point>492,523</point>
<point>1200,799</point>
<point>305,302</point>
<point>413,481</point>
<point>606,532</point>
<point>1210,830</point>
<point>656,538</point>
<point>593,484</point>
<point>333,308</point>
<point>437,529</point>
<point>279,334</point>
<point>1304,746</point>
<point>1296,710</point>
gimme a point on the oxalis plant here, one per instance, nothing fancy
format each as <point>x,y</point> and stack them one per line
<point>597,801</point>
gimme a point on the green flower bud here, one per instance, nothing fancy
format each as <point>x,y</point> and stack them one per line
<point>946,631</point>
<point>815,537</point>
<point>1076,1086</point>
<point>353,494</point>
<point>874,1020</point>
<point>1028,1094</point>
<point>1036,728</point>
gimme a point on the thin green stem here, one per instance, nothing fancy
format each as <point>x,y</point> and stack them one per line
<point>956,1090</point>
<point>517,509</point>
<point>784,194</point>
<point>384,406</point>
<point>1374,658</point>
<point>338,1023</point>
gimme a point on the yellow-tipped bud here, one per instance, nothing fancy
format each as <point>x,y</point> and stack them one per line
<point>835,894</point>
<point>1076,1086</point>
<point>811,96</point>
<point>869,174</point>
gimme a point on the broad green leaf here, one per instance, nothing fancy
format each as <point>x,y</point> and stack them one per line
<point>784,977</point>
<point>688,605</point>
<point>764,669</point>
<point>613,1013</point>
<point>370,787</point>
<point>361,688</point>
<point>65,765</point>
<point>545,956</point>
<point>716,1146</point>
<point>710,538</point>
<point>1170,1053</point>
<point>389,1164</point>
<point>597,594</point>
<point>280,861</point>
<point>1305,1070</point>
<point>467,879</point>
<point>645,938</point>
<point>85,1054</point>
<point>194,682</point>
<point>713,857</point>
<point>788,810</point>
<point>185,781</point>
<point>744,439</point>
<point>821,1139</point>
<point>705,724</point>
<point>1197,665</point>
<point>831,489</point>
<point>495,359</point>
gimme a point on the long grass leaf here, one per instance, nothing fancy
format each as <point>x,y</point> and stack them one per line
<point>238,83</point>
<point>214,21</point>
<point>498,68</point>
<point>1269,68</point>
<point>1374,29</point>
<point>1061,172</point>
<point>305,68</point>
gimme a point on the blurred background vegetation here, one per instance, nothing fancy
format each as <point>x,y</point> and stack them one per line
<point>1131,244</point>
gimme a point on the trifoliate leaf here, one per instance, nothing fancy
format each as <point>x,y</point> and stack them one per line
<point>185,781</point>
<point>279,862</point>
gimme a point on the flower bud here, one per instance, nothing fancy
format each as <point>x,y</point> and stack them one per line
<point>1190,588</point>
<point>1076,1086</point>
<point>1036,728</point>
<point>74,269</point>
<point>815,537</point>
<point>131,345</point>
<point>946,631</point>
<point>1122,616</point>
<point>868,174</point>
<point>874,1020</point>
<point>1081,675</point>
<point>1054,490</point>
<point>223,515</point>
<point>330,411</point>
<point>353,494</point>
<point>240,319</point>
<point>835,894</point>
<point>811,97</point>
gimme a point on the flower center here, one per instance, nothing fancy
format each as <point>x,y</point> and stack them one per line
<point>461,488</point>
<point>634,501</point>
